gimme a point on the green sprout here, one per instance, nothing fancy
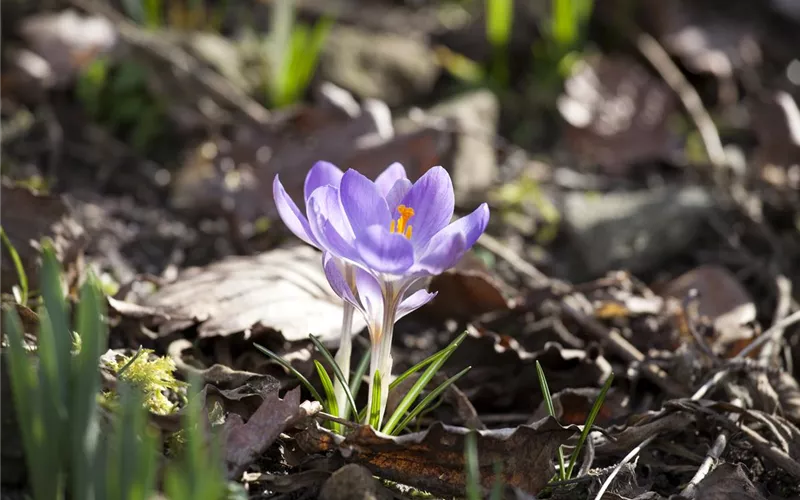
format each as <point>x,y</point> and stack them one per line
<point>294,51</point>
<point>403,415</point>
<point>20,291</point>
<point>565,472</point>
<point>70,451</point>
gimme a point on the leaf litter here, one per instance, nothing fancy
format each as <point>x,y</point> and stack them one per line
<point>665,290</point>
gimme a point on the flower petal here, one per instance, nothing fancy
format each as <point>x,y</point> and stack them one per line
<point>397,193</point>
<point>337,280</point>
<point>363,203</point>
<point>442,254</point>
<point>327,224</point>
<point>322,173</point>
<point>433,200</point>
<point>450,244</point>
<point>291,215</point>
<point>371,295</point>
<point>385,252</point>
<point>414,302</point>
<point>326,202</point>
<point>387,179</point>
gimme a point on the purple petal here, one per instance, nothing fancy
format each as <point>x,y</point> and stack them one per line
<point>321,205</point>
<point>363,203</point>
<point>385,252</point>
<point>432,199</point>
<point>414,302</point>
<point>322,173</point>
<point>291,215</point>
<point>397,193</point>
<point>327,203</point>
<point>389,177</point>
<point>337,280</point>
<point>371,295</point>
<point>443,250</point>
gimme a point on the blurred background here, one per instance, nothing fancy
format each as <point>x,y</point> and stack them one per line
<point>604,133</point>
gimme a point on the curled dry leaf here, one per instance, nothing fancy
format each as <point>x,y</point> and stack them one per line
<point>284,290</point>
<point>433,460</point>
<point>245,441</point>
<point>504,373</point>
<point>468,290</point>
<point>572,406</point>
<point>722,301</point>
<point>788,391</point>
<point>728,482</point>
<point>27,219</point>
<point>616,113</point>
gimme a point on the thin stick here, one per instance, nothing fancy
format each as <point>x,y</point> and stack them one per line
<point>777,455</point>
<point>672,76</point>
<point>712,457</point>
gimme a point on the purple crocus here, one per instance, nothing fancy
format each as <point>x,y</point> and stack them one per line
<point>326,174</point>
<point>381,239</point>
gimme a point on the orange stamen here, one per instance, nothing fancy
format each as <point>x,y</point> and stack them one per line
<point>401,225</point>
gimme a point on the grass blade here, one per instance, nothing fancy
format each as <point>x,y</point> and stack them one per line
<point>21,274</point>
<point>419,385</point>
<point>473,471</point>
<point>293,371</point>
<point>499,18</point>
<point>548,401</point>
<point>331,405</point>
<point>27,397</point>
<point>587,426</point>
<point>361,369</point>
<point>427,400</point>
<point>337,372</point>
<point>375,409</point>
<point>85,384</point>
<point>430,359</point>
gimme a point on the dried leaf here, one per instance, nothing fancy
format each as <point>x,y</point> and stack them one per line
<point>616,113</point>
<point>728,482</point>
<point>29,217</point>
<point>467,291</point>
<point>788,395</point>
<point>433,460</point>
<point>285,290</point>
<point>232,172</point>
<point>572,406</point>
<point>244,442</point>
<point>722,300</point>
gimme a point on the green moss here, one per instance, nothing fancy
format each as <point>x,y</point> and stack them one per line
<point>153,376</point>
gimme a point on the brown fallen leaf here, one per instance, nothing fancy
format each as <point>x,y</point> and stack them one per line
<point>616,113</point>
<point>467,291</point>
<point>245,441</point>
<point>433,460</point>
<point>722,301</point>
<point>572,406</point>
<point>728,482</point>
<point>27,219</point>
<point>232,172</point>
<point>503,372</point>
<point>284,290</point>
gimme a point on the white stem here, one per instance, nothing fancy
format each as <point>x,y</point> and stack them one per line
<point>343,355</point>
<point>381,359</point>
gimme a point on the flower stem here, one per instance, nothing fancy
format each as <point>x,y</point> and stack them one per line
<point>381,360</point>
<point>345,351</point>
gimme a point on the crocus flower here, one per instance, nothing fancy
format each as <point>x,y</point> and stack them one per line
<point>326,174</point>
<point>394,234</point>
